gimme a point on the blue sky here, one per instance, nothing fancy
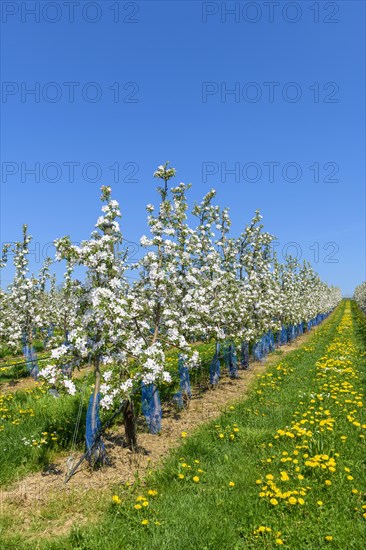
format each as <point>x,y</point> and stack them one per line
<point>125,86</point>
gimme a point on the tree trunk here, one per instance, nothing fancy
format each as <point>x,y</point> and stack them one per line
<point>130,427</point>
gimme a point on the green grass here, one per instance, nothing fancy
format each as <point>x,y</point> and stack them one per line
<point>209,514</point>
<point>25,417</point>
<point>13,365</point>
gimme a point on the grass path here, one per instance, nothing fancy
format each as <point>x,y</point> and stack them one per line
<point>285,467</point>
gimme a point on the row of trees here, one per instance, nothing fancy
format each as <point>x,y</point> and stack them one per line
<point>360,296</point>
<point>196,282</point>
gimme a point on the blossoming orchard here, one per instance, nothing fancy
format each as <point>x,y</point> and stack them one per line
<point>108,361</point>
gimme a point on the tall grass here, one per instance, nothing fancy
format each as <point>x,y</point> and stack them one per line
<point>36,426</point>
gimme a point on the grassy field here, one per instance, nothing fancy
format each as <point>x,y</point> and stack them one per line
<point>285,467</point>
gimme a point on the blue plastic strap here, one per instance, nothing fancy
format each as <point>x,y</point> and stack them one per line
<point>151,407</point>
<point>31,360</point>
<point>231,360</point>
<point>184,383</point>
<point>96,453</point>
<point>265,344</point>
<point>290,333</point>
<point>244,355</point>
<point>215,366</point>
<point>258,351</point>
<point>271,339</point>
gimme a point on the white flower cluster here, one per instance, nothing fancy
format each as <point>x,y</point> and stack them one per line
<point>54,377</point>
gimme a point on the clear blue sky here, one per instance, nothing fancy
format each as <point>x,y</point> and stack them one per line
<point>173,62</point>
